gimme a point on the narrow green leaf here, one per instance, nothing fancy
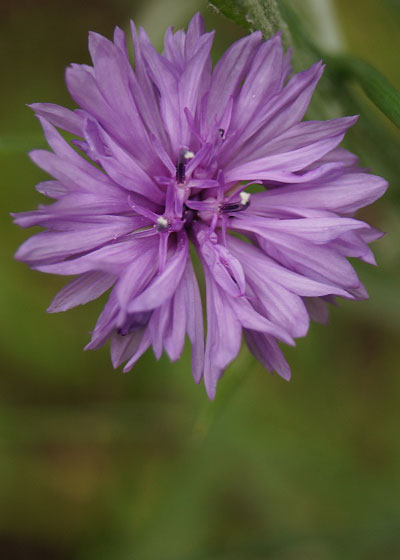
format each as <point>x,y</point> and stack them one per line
<point>378,89</point>
<point>376,86</point>
<point>253,15</point>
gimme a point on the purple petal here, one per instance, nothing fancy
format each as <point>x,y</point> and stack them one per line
<point>315,261</point>
<point>141,349</point>
<point>144,92</point>
<point>174,48</point>
<point>294,281</point>
<point>318,310</point>
<point>225,268</point>
<point>196,28</point>
<point>124,347</point>
<point>278,304</point>
<point>316,230</point>
<point>166,282</point>
<point>174,339</point>
<point>111,68</point>
<point>52,189</point>
<point>59,117</point>
<point>280,113</point>
<point>345,194</point>
<point>105,325</point>
<point>295,160</point>
<point>263,80</point>
<point>47,245</point>
<point>124,170</point>
<point>229,72</point>
<point>268,353</point>
<point>136,277</point>
<point>194,320</point>
<point>113,258</point>
<point>158,327</point>
<point>250,319</point>
<point>193,81</point>
<point>163,75</point>
<point>223,334</point>
<point>301,135</point>
<point>70,176</point>
<point>81,290</point>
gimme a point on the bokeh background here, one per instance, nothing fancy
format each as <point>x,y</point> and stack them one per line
<point>96,464</point>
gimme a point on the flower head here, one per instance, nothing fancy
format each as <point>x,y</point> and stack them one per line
<point>165,155</point>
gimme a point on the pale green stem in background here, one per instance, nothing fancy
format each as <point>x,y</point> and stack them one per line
<point>327,33</point>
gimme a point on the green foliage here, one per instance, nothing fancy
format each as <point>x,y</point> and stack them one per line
<point>375,85</point>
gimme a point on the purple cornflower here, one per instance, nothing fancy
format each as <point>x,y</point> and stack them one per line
<point>175,145</point>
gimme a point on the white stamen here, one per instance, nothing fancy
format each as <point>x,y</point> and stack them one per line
<point>162,224</point>
<point>188,154</point>
<point>184,156</point>
<point>244,198</point>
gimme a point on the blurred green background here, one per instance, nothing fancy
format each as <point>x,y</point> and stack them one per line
<point>101,465</point>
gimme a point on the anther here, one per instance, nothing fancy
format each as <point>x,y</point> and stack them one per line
<point>221,132</point>
<point>184,156</point>
<point>162,224</point>
<point>242,204</point>
<point>245,199</point>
